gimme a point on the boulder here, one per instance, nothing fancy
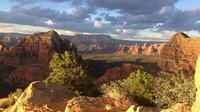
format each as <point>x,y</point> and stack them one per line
<point>42,97</point>
<point>196,105</point>
<point>97,104</point>
<point>180,53</point>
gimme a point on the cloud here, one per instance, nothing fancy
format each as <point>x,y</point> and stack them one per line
<point>49,22</point>
<point>127,18</point>
<point>133,6</point>
<point>97,24</point>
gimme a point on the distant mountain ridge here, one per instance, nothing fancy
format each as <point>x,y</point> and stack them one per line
<point>84,43</point>
<point>100,43</point>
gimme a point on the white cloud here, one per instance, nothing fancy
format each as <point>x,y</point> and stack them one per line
<point>97,24</point>
<point>49,22</point>
<point>28,29</point>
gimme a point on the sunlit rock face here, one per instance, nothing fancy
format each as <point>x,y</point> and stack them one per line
<point>181,52</point>
<point>36,48</point>
<point>196,105</point>
<point>97,104</point>
<point>136,49</point>
<point>42,97</point>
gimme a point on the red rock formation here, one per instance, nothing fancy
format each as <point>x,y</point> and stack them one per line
<point>31,56</point>
<point>180,52</point>
<point>160,48</point>
<point>136,49</point>
<point>121,49</point>
<point>36,48</point>
<point>117,73</point>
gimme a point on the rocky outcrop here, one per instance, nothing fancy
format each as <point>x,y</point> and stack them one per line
<point>36,48</point>
<point>42,97</point>
<point>196,105</point>
<point>122,49</point>
<point>98,104</point>
<point>118,73</point>
<point>180,52</point>
<point>136,49</point>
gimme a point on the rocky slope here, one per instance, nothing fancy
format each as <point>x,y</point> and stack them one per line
<point>118,73</point>
<point>42,97</point>
<point>180,52</point>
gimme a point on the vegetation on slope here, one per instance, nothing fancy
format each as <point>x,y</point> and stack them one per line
<point>68,69</point>
<point>162,90</point>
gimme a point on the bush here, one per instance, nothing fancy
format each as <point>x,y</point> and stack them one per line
<point>115,89</point>
<point>172,88</point>
<point>163,89</point>
<point>67,69</point>
<point>138,86</point>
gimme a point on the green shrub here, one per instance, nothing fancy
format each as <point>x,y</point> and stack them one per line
<point>163,89</point>
<point>172,88</point>
<point>115,89</point>
<point>138,86</point>
<point>67,69</point>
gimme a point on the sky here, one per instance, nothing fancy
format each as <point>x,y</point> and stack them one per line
<point>121,19</point>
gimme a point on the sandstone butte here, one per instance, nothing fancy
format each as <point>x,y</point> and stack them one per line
<point>36,48</point>
<point>31,56</point>
<point>180,53</point>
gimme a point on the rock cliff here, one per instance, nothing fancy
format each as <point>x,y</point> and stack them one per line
<point>180,52</point>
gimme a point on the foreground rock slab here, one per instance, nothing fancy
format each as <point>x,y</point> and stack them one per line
<point>42,97</point>
<point>97,104</point>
